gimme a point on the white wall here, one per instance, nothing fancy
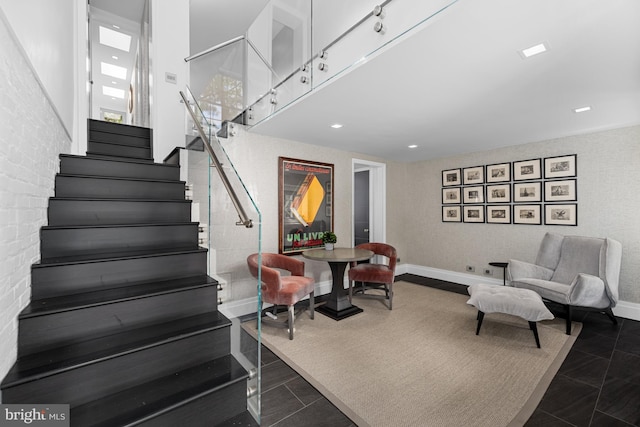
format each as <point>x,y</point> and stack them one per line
<point>45,30</point>
<point>169,47</point>
<point>32,136</point>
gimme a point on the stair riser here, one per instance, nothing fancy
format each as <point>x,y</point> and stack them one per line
<point>101,167</point>
<point>206,411</point>
<point>129,140</point>
<point>79,241</point>
<point>118,150</point>
<point>54,330</point>
<point>92,381</point>
<point>76,186</point>
<point>102,212</point>
<point>57,280</point>
<point>118,129</point>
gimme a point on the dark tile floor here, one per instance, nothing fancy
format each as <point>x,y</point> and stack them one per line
<point>598,384</point>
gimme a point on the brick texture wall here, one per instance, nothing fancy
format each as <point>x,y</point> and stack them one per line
<point>31,137</point>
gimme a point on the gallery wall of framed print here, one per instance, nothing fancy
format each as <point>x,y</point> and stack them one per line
<point>527,192</point>
<point>500,172</point>
<point>560,166</point>
<point>451,214</point>
<point>473,214</point>
<point>451,177</point>
<point>473,194</point>
<point>451,195</point>
<point>560,191</point>
<point>561,214</point>
<point>527,214</point>
<point>527,170</point>
<point>305,204</point>
<point>498,214</point>
<point>499,193</point>
<point>474,175</point>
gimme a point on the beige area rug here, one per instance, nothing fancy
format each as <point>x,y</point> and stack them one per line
<point>422,364</point>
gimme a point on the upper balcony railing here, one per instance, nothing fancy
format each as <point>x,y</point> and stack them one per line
<point>294,47</point>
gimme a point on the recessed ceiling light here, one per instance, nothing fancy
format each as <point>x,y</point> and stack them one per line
<point>114,83</point>
<point>413,146</point>
<point>112,91</point>
<point>336,125</point>
<point>113,70</point>
<point>115,39</point>
<point>533,50</point>
<point>581,109</point>
<point>114,57</point>
<point>115,26</point>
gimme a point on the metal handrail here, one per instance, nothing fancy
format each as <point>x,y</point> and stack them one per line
<point>244,219</point>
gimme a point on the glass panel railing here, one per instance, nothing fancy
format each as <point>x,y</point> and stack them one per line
<point>228,244</point>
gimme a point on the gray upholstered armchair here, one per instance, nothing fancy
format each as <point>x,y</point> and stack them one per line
<point>573,271</point>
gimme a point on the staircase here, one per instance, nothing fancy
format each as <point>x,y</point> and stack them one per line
<point>123,322</point>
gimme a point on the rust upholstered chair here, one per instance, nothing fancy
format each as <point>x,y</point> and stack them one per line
<point>375,276</point>
<point>282,290</point>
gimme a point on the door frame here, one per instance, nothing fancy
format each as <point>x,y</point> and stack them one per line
<point>377,199</point>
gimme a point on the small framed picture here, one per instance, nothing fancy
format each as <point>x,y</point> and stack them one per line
<point>473,194</point>
<point>499,193</point>
<point>560,166</point>
<point>451,195</point>
<point>526,170</point>
<point>451,214</point>
<point>500,172</point>
<point>473,214</point>
<point>451,177</point>
<point>474,175</point>
<point>527,214</point>
<point>527,192</point>
<point>498,214</point>
<point>561,214</point>
<point>560,191</point>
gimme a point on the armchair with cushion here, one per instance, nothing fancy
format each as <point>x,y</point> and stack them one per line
<point>375,276</point>
<point>573,271</point>
<point>282,290</point>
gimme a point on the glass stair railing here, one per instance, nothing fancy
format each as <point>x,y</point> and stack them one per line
<point>231,228</point>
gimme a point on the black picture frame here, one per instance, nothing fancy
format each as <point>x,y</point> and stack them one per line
<point>473,195</point>
<point>527,192</point>
<point>473,175</point>
<point>499,193</point>
<point>499,172</point>
<point>561,214</point>
<point>473,214</point>
<point>451,177</point>
<point>527,214</point>
<point>451,195</point>
<point>527,170</point>
<point>452,213</point>
<point>498,214</point>
<point>563,190</point>
<point>561,166</point>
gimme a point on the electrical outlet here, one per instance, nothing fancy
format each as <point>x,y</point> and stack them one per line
<point>488,272</point>
<point>471,268</point>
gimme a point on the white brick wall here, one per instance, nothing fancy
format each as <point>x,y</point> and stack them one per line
<point>31,137</point>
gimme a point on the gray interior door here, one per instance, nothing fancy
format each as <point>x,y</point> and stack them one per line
<point>361,207</point>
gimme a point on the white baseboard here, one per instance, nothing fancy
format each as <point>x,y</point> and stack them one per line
<point>232,309</point>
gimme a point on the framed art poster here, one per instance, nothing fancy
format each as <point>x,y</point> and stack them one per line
<point>474,175</point>
<point>500,172</point>
<point>451,177</point>
<point>499,193</point>
<point>561,214</point>
<point>473,194</point>
<point>451,214</point>
<point>305,204</point>
<point>473,214</point>
<point>451,195</point>
<point>526,170</point>
<point>499,214</point>
<point>527,214</point>
<point>560,191</point>
<point>527,192</point>
<point>560,166</point>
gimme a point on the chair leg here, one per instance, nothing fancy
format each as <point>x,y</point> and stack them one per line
<point>350,291</point>
<point>292,316</point>
<point>312,304</point>
<point>390,295</point>
<point>480,318</point>
<point>610,315</point>
<point>534,327</point>
<point>567,309</point>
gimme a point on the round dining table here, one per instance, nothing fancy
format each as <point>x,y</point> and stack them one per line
<point>338,305</point>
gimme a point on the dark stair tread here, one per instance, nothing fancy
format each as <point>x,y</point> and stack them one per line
<point>146,401</point>
<point>120,178</point>
<point>62,359</point>
<point>109,296</point>
<point>121,199</point>
<point>118,128</point>
<point>118,158</point>
<point>85,226</point>
<point>114,256</point>
<point>133,160</point>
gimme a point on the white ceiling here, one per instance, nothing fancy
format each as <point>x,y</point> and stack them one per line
<point>460,86</point>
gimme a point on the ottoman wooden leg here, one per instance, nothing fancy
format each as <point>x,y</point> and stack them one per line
<point>480,317</point>
<point>534,328</point>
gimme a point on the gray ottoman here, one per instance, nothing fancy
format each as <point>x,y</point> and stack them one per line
<point>523,303</point>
